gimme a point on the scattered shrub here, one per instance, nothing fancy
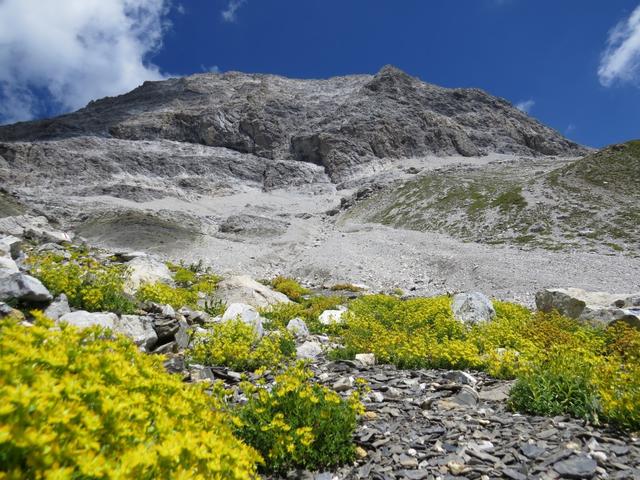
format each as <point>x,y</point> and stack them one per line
<point>561,383</point>
<point>299,424</point>
<point>346,287</point>
<point>237,345</point>
<point>85,404</point>
<point>618,387</point>
<point>290,287</point>
<point>186,294</point>
<point>88,284</point>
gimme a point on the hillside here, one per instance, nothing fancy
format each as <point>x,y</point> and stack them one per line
<point>587,203</point>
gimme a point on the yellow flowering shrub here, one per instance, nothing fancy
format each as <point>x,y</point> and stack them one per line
<point>186,294</point>
<point>299,424</point>
<point>290,287</point>
<point>85,404</point>
<point>618,386</point>
<point>88,284</point>
<point>237,345</point>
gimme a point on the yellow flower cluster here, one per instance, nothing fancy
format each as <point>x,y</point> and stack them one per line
<point>236,344</point>
<point>290,287</point>
<point>88,284</point>
<point>84,404</point>
<point>299,424</point>
<point>562,366</point>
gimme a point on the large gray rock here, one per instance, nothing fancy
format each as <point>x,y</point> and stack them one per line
<point>139,329</point>
<point>471,308</point>
<point>10,246</point>
<point>597,308</point>
<point>8,265</point>
<point>146,270</point>
<point>83,319</point>
<point>243,289</point>
<point>247,314</point>
<point>58,308</point>
<point>22,287</point>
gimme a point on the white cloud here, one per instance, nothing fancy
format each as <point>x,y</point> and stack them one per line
<point>526,105</point>
<point>64,54</point>
<point>229,13</point>
<point>621,58</point>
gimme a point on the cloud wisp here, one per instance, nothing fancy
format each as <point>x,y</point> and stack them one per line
<point>229,14</point>
<point>620,61</point>
<point>64,54</point>
<point>525,105</point>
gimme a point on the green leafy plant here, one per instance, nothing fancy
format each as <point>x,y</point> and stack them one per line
<point>86,404</point>
<point>346,287</point>
<point>88,284</point>
<point>290,287</point>
<point>299,424</point>
<point>237,345</point>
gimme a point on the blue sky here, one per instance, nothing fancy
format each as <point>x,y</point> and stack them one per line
<point>573,64</point>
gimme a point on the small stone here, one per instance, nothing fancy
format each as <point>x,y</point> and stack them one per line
<point>408,461</point>
<point>58,308</point>
<point>366,359</point>
<point>309,350</point>
<point>576,467</point>
<point>458,376</point>
<point>471,308</point>
<point>456,468</point>
<point>361,452</point>
<point>329,317</point>
<point>369,415</point>
<point>377,397</point>
<point>298,327</point>
<point>82,319</point>
<point>343,384</point>
<point>467,397</point>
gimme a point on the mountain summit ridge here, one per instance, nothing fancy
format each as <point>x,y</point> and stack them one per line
<point>344,124</point>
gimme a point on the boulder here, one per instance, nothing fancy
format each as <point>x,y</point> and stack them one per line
<point>309,350</point>
<point>471,308</point>
<point>243,289</point>
<point>8,265</point>
<point>22,287</point>
<point>329,317</point>
<point>146,270</point>
<point>58,308</point>
<point>298,327</point>
<point>10,246</point>
<point>366,359</point>
<point>83,319</point>
<point>139,329</point>
<point>246,313</point>
<point>596,308</point>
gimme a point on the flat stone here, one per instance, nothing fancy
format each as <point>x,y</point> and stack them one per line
<point>576,467</point>
<point>309,350</point>
<point>366,359</point>
<point>343,384</point>
<point>83,319</point>
<point>243,289</point>
<point>58,308</point>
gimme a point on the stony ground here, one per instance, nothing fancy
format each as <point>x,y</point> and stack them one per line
<point>438,424</point>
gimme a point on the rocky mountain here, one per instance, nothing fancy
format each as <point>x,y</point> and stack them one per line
<point>264,175</point>
<point>343,124</point>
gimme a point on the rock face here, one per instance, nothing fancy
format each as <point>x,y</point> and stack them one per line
<point>341,124</point>
<point>472,308</point>
<point>243,289</point>
<point>593,307</point>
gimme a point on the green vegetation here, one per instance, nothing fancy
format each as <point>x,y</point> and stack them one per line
<point>299,424</point>
<point>561,366</point>
<point>89,284</point>
<point>290,287</point>
<point>346,287</point>
<point>85,404</point>
<point>237,345</point>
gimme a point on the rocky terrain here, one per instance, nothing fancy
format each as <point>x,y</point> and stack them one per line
<point>383,180</point>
